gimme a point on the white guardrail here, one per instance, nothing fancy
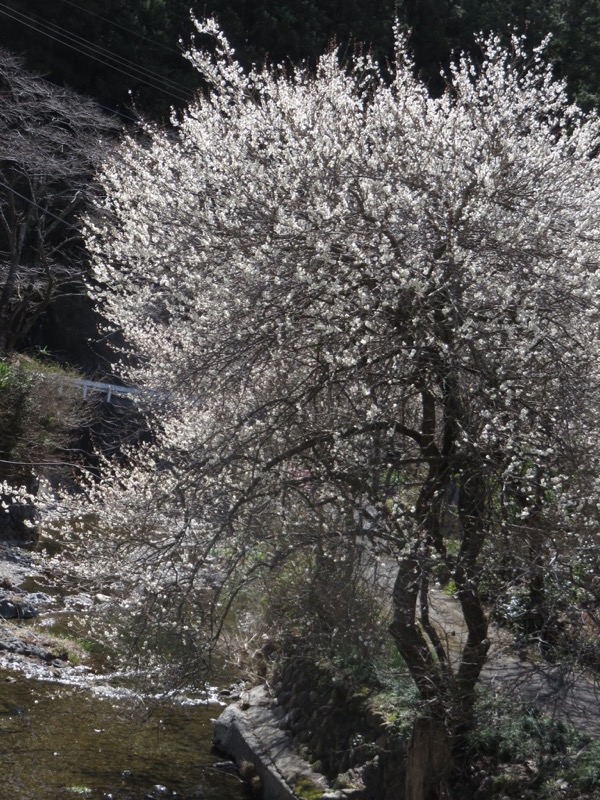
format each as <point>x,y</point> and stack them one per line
<point>108,390</point>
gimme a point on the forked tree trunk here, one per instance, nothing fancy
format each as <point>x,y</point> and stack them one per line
<point>437,748</point>
<point>429,758</point>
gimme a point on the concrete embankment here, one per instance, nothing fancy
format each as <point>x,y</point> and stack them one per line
<point>249,731</point>
<point>313,712</point>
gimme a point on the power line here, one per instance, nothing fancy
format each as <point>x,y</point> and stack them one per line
<point>45,211</point>
<point>27,20</point>
<point>111,111</point>
<point>123,27</point>
<point>105,51</point>
<point>143,78</point>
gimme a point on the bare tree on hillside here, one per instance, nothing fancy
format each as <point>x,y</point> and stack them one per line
<point>51,141</point>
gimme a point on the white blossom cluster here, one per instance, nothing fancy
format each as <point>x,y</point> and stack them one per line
<point>344,295</point>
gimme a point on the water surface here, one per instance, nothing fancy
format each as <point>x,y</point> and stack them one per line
<point>59,742</point>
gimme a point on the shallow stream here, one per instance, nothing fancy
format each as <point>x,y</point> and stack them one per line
<point>59,742</point>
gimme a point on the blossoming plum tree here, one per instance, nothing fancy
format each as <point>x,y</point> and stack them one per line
<point>351,300</point>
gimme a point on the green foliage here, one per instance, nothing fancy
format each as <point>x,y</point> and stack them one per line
<point>584,771</point>
<point>439,28</point>
<point>398,702</point>
<point>511,734</point>
<point>307,790</point>
<point>506,737</point>
<point>298,30</point>
<point>39,411</point>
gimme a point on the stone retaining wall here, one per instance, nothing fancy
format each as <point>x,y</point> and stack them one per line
<point>313,734</point>
<point>334,726</point>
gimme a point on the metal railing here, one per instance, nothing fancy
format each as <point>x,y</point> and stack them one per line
<point>108,390</point>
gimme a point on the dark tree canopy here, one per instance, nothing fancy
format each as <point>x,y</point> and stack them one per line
<point>441,27</point>
<point>107,48</point>
<point>127,53</point>
<point>124,53</point>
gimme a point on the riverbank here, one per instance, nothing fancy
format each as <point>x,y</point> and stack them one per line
<point>312,732</point>
<point>27,615</point>
<point>249,731</point>
<point>70,728</point>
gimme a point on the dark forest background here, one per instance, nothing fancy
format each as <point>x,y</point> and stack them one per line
<point>127,53</point>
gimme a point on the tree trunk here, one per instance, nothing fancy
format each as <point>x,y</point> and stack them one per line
<point>426,672</point>
<point>428,762</point>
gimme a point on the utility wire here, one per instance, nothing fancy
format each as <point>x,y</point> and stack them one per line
<point>123,27</point>
<point>105,51</point>
<point>18,17</point>
<point>67,35</point>
<point>45,211</point>
<point>112,111</point>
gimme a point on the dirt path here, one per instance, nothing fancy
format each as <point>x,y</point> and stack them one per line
<point>567,694</point>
